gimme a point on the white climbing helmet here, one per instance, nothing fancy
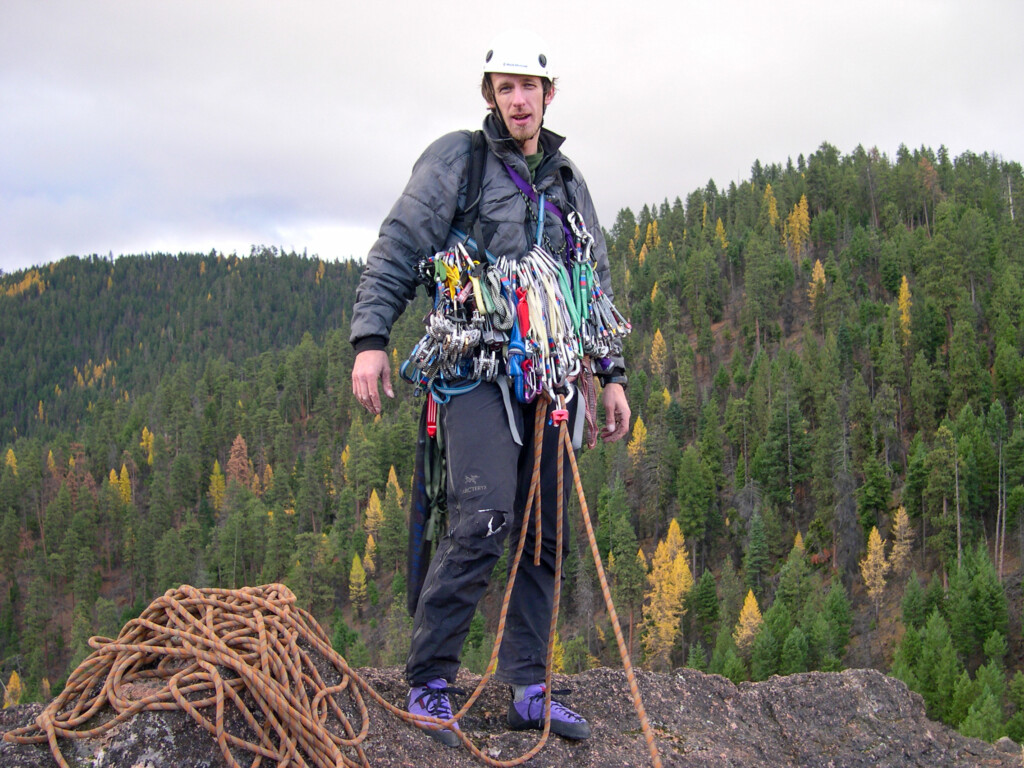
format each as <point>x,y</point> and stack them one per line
<point>520,52</point>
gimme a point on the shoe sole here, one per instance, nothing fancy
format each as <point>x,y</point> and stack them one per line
<point>576,732</point>
<point>446,737</point>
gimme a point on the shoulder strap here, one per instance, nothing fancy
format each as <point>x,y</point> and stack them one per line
<point>477,158</point>
<point>467,215</point>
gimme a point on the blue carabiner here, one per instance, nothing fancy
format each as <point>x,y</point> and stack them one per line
<point>540,218</point>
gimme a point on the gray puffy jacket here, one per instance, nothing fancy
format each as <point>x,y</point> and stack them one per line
<point>420,221</point>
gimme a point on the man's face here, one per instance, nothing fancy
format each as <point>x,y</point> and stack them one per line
<point>520,100</point>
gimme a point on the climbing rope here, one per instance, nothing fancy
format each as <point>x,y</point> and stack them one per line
<point>185,638</point>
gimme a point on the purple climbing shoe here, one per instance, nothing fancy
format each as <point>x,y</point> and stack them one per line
<point>432,699</point>
<point>529,713</point>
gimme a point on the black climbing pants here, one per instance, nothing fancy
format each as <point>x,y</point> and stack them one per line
<point>489,478</point>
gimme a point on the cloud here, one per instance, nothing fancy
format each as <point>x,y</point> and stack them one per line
<point>136,127</point>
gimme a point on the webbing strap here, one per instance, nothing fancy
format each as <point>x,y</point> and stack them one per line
<point>539,201</point>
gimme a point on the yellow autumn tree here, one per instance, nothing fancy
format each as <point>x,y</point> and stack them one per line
<point>147,444</point>
<point>268,478</point>
<point>638,444</point>
<point>370,556</point>
<point>874,567</point>
<point>905,303</point>
<point>393,487</point>
<point>720,235</point>
<point>669,581</point>
<point>557,655</point>
<point>903,541</point>
<point>345,456</point>
<point>816,289</point>
<point>652,239</point>
<point>798,228</point>
<point>659,354</point>
<point>798,541</point>
<point>124,485</point>
<point>218,487</point>
<point>357,584</point>
<point>748,624</point>
<point>13,690</point>
<point>11,461</point>
<point>374,514</point>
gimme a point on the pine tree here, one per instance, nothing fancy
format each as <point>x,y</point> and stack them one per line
<point>907,657</point>
<point>696,658</point>
<point>765,654</point>
<point>840,618</point>
<point>938,669</point>
<point>795,653</point>
<point>694,492</point>
<point>794,579</point>
<point>984,719</point>
<point>705,606</point>
<point>913,603</point>
<point>392,536</point>
<point>626,562</point>
<point>755,561</point>
<point>873,495</point>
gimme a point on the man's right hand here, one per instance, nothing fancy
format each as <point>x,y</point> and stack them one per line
<point>371,366</point>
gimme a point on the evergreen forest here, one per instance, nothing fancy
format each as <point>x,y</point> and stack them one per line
<point>825,469</point>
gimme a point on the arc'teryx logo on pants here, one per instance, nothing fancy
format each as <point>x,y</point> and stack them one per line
<point>469,484</point>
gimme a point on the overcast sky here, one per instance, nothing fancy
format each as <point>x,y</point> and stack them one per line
<point>143,127</point>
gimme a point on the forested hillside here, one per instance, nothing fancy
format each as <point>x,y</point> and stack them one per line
<point>826,466</point>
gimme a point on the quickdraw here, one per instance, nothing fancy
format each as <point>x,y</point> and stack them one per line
<point>533,319</point>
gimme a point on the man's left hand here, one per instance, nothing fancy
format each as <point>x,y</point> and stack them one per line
<point>616,411</point>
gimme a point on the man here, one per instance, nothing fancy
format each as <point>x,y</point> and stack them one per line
<point>488,434</point>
